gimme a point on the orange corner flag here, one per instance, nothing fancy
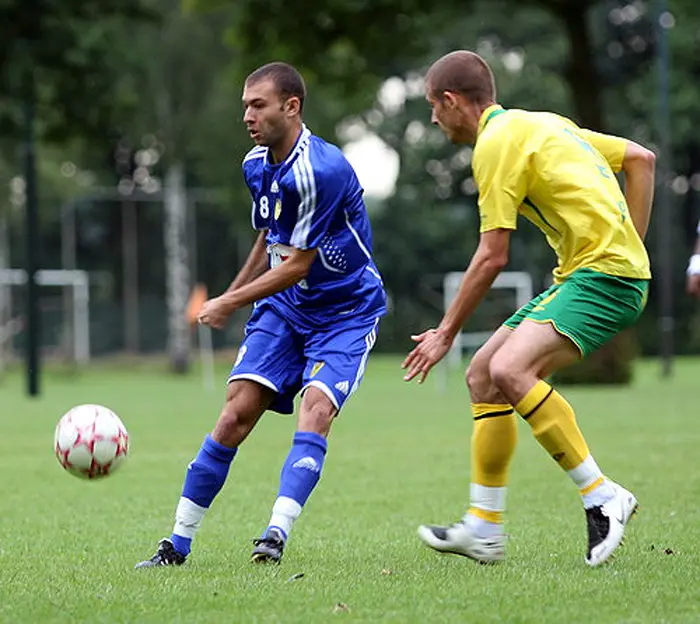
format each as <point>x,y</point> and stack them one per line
<point>195,303</point>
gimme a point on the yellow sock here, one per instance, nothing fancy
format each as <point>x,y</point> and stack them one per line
<point>493,443</point>
<point>554,425</point>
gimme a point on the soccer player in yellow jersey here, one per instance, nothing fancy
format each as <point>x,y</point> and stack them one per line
<point>561,178</point>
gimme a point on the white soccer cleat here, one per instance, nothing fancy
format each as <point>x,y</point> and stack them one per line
<point>606,525</point>
<point>459,539</point>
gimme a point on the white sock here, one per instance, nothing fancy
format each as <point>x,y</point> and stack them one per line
<point>188,518</point>
<point>488,499</point>
<point>482,528</point>
<point>284,512</point>
<point>594,488</point>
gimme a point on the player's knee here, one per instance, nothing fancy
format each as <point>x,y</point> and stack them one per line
<point>317,412</point>
<point>477,377</point>
<point>502,372</point>
<point>237,418</point>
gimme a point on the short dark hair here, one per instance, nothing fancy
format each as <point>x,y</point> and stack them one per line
<point>286,78</point>
<point>462,72</point>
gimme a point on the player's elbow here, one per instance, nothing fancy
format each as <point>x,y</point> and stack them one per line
<point>492,252</point>
<point>648,158</point>
<point>495,260</point>
<point>638,157</point>
<point>298,272</point>
<point>299,269</point>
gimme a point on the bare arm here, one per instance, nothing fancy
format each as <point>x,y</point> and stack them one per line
<point>294,268</point>
<point>249,286</point>
<point>488,261</point>
<point>255,265</point>
<point>638,167</point>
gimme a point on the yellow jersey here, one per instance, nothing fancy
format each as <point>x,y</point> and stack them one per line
<point>561,178</point>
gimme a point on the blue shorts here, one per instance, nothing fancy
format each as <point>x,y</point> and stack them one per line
<point>288,358</point>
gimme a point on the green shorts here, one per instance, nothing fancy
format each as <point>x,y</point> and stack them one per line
<point>589,307</point>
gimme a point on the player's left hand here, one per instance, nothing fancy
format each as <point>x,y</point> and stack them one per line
<point>432,347</point>
<point>215,313</point>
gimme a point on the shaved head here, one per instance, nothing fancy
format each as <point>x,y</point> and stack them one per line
<point>465,73</point>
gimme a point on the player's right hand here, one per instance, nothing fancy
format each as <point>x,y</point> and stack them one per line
<point>214,313</point>
<point>693,285</point>
<point>433,345</point>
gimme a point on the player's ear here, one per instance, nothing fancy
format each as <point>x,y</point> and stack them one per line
<point>292,106</point>
<point>449,99</point>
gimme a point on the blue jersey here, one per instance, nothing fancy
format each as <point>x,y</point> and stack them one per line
<point>313,200</point>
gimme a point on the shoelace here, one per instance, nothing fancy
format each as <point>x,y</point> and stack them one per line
<point>166,554</point>
<point>272,540</point>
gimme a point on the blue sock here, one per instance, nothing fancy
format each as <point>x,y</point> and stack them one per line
<point>204,479</point>
<point>300,474</point>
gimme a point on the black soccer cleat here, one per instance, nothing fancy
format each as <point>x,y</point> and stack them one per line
<point>269,548</point>
<point>606,525</point>
<point>166,555</point>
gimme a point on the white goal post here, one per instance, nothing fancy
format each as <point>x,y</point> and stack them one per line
<point>79,283</point>
<point>518,281</point>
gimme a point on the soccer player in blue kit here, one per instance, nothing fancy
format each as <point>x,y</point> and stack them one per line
<point>317,299</point>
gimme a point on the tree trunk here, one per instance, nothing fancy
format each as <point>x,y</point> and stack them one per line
<point>130,247</point>
<point>5,294</point>
<point>176,268</point>
<point>581,73</point>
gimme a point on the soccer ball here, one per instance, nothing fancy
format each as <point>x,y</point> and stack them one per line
<point>91,441</point>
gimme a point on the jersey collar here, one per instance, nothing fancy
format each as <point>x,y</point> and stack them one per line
<point>491,112</point>
<point>302,142</point>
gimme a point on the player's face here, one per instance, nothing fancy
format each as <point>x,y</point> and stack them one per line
<point>448,114</point>
<point>266,115</point>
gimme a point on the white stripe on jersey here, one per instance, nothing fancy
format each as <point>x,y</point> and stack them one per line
<point>357,236</point>
<point>301,182</point>
<point>306,187</point>
<point>303,141</point>
<point>258,151</point>
<point>375,273</point>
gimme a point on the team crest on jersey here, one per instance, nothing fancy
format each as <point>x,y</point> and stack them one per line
<point>316,367</point>
<point>278,208</point>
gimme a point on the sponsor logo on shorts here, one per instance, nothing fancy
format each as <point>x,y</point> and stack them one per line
<point>343,386</point>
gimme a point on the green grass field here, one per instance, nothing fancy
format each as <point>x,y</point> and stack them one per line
<point>398,456</point>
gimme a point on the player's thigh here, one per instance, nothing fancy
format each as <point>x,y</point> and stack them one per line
<point>574,320</point>
<point>336,358</point>
<point>478,377</point>
<point>533,348</point>
<point>271,355</point>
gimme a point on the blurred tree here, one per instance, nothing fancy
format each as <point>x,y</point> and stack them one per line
<point>349,45</point>
<point>70,47</point>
